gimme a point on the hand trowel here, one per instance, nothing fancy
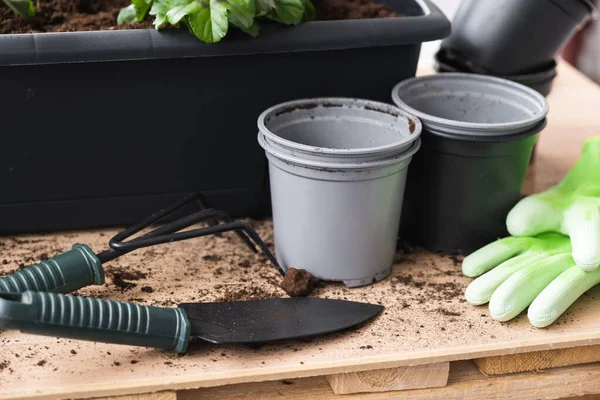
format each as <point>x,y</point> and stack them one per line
<point>242,322</point>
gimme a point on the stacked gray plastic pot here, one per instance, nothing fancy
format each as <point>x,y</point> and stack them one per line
<point>337,171</point>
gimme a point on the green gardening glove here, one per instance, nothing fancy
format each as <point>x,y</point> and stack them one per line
<point>572,207</point>
<point>519,272</point>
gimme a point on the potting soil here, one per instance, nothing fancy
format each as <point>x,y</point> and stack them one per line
<point>90,15</point>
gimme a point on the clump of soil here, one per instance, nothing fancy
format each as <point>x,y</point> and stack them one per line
<point>297,283</point>
<point>122,277</point>
<point>92,15</point>
<point>147,289</point>
<point>411,125</point>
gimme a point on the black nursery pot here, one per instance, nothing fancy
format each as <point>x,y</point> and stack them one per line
<point>107,127</point>
<point>478,134</point>
<point>540,80</point>
<point>513,37</point>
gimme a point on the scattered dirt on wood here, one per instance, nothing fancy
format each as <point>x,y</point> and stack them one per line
<point>91,15</point>
<point>211,257</point>
<point>424,293</point>
<point>121,277</point>
<point>147,289</point>
<point>41,363</point>
<point>444,311</point>
<point>249,293</point>
<point>297,283</point>
<point>456,260</point>
<point>427,290</point>
<point>4,365</point>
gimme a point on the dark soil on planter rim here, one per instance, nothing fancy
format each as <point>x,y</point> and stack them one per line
<point>92,15</point>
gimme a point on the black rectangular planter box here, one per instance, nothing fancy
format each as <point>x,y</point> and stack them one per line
<point>103,128</point>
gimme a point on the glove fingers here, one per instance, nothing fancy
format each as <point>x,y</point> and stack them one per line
<point>583,225</point>
<point>554,300</point>
<point>532,216</point>
<point>517,292</point>
<point>481,289</point>
<point>495,253</point>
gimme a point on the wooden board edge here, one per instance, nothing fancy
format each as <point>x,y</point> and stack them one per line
<point>538,360</point>
<point>166,395</point>
<point>390,379</point>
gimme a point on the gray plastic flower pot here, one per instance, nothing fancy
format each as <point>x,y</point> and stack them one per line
<point>511,37</point>
<point>478,134</point>
<point>337,170</point>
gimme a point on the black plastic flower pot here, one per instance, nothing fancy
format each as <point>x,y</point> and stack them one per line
<point>515,37</point>
<point>540,80</point>
<point>478,134</point>
<point>110,126</point>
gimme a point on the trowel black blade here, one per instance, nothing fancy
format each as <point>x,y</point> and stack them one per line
<point>261,321</point>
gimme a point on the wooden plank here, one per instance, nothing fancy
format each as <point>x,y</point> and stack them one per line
<point>385,380</point>
<point>538,360</point>
<point>167,395</point>
<point>465,382</point>
<point>426,319</point>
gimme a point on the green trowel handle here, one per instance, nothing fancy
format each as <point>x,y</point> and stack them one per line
<point>85,318</point>
<point>64,273</point>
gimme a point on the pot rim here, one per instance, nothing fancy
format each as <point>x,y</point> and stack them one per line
<point>472,128</point>
<point>534,130</point>
<point>336,166</point>
<point>539,76</point>
<point>374,106</point>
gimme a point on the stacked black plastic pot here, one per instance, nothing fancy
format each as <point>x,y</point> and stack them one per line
<point>481,118</point>
<point>514,39</point>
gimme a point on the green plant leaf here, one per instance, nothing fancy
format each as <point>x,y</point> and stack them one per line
<point>264,7</point>
<point>127,15</point>
<point>309,11</point>
<point>176,14</point>
<point>209,22</point>
<point>289,12</point>
<point>23,8</point>
<point>141,8</point>
<point>160,8</point>
<point>241,12</point>
<point>252,30</point>
<point>159,11</point>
